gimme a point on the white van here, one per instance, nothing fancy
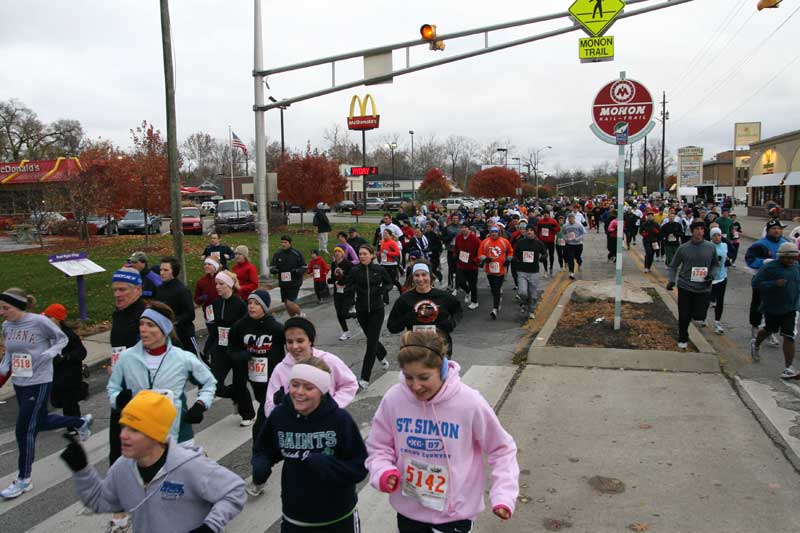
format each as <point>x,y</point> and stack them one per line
<point>451,204</point>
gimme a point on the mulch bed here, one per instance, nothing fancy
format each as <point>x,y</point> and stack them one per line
<point>644,326</point>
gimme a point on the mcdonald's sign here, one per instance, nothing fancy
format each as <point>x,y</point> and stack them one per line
<point>363,121</point>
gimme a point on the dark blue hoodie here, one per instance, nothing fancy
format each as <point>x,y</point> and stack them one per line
<point>323,455</point>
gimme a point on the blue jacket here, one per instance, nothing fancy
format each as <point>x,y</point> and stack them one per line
<point>777,300</point>
<point>763,248</point>
<point>177,367</point>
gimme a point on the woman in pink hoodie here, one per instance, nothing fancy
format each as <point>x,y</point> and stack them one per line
<point>427,443</point>
<point>300,334</point>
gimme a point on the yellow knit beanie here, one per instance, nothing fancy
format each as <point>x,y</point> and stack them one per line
<point>150,413</point>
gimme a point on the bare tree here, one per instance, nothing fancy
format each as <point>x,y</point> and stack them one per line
<point>654,163</point>
<point>453,146</point>
<point>24,136</point>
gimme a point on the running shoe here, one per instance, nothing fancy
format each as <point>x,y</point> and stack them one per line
<point>254,489</point>
<point>385,363</point>
<point>773,340</point>
<point>755,351</point>
<point>517,298</point>
<point>86,429</point>
<point>699,323</point>
<point>473,305</point>
<point>246,422</point>
<point>454,293</point>
<point>493,314</point>
<point>531,315</point>
<point>17,488</point>
<point>466,298</point>
<point>789,373</point>
<point>718,329</point>
<point>363,384</point>
<point>119,525</point>
<point>523,310</point>
<point>646,270</point>
<point>572,276</point>
<point>345,335</point>
<point>683,345</point>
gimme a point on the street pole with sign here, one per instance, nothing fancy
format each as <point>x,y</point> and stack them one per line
<point>621,115</point>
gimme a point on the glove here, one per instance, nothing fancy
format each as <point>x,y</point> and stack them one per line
<point>74,455</point>
<point>274,271</point>
<point>195,414</point>
<point>278,397</point>
<point>202,529</point>
<point>57,360</point>
<point>123,398</point>
<point>670,286</point>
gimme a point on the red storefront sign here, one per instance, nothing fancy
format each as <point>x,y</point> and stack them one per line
<point>47,171</point>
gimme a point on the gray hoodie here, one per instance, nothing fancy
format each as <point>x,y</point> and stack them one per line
<point>190,490</point>
<point>36,336</point>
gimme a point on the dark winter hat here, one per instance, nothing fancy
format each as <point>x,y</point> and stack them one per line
<point>774,224</point>
<point>302,323</point>
<point>697,224</point>
<point>287,238</point>
<point>262,298</point>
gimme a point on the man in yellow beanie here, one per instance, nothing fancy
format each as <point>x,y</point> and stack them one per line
<point>165,487</point>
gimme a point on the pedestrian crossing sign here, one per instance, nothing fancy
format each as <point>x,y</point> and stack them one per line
<point>596,16</point>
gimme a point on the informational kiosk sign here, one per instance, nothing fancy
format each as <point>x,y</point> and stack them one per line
<point>76,265</point>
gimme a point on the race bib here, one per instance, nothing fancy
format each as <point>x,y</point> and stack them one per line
<point>317,273</point>
<point>166,392</point>
<point>463,257</point>
<point>257,369</point>
<point>286,277</point>
<point>215,255</point>
<point>562,242</point>
<point>699,274</point>
<point>340,289</point>
<point>424,328</point>
<point>209,314</point>
<point>735,234</point>
<point>671,238</point>
<point>527,257</point>
<point>638,221</point>
<point>22,365</point>
<point>655,245</point>
<point>223,336</point>
<point>384,257</point>
<point>571,236</point>
<point>426,483</point>
<point>116,351</point>
<point>494,267</point>
<point>545,232</point>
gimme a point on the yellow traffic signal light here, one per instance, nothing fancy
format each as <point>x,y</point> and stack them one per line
<point>767,4</point>
<point>428,33</point>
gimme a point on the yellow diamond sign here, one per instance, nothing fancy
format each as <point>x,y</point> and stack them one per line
<point>596,16</point>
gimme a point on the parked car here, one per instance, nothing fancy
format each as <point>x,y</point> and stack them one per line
<point>393,203</point>
<point>133,222</point>
<point>345,206</point>
<point>450,204</point>
<point>208,207</point>
<point>191,221</point>
<point>105,225</point>
<point>295,209</point>
<point>48,221</point>
<point>375,203</point>
<point>234,215</point>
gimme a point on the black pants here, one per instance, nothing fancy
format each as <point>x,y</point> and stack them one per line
<point>321,290</point>
<point>114,444</point>
<point>611,246</point>
<point>351,524</point>
<point>468,281</point>
<point>755,314</point>
<point>452,269</point>
<point>222,362</point>
<point>394,273</point>
<point>371,322</point>
<point>551,253</point>
<point>649,253</point>
<point>436,264</point>
<point>496,285</point>
<point>573,253</point>
<point>342,303</point>
<point>260,394</point>
<point>409,525</point>
<point>733,251</point>
<point>189,343</point>
<point>691,306</point>
<point>560,253</point>
<point>630,236</point>
<point>67,399</point>
<point>514,273</point>
<point>718,297</point>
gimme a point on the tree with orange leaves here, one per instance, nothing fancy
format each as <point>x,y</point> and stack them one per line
<point>306,180</point>
<point>147,177</point>
<point>495,182</point>
<point>434,185</point>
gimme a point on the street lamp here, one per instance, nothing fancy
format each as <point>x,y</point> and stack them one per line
<point>519,165</point>
<point>393,147</point>
<point>413,190</point>
<point>537,156</point>
<point>282,108</point>
<point>506,152</point>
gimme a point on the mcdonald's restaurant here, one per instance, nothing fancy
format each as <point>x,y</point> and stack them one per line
<point>775,175</point>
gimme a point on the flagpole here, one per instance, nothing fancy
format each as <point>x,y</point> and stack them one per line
<point>230,143</point>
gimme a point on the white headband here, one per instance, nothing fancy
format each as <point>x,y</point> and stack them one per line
<point>225,278</point>
<point>420,266</point>
<point>320,378</point>
<point>213,262</point>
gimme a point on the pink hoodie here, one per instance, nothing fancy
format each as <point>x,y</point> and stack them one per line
<point>344,386</point>
<point>405,429</point>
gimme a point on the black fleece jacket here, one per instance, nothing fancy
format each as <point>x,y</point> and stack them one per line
<point>175,294</point>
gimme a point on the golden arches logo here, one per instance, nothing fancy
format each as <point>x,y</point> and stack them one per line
<point>363,121</point>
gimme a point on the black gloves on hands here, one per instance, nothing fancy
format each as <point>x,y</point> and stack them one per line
<point>670,286</point>
<point>202,529</point>
<point>195,414</point>
<point>74,455</point>
<point>278,397</point>
<point>123,398</point>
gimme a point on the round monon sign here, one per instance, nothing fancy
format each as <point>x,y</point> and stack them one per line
<point>623,101</point>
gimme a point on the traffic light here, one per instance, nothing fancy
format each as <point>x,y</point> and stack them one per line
<point>767,4</point>
<point>428,32</point>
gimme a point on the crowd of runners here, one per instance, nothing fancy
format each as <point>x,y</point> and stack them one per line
<point>431,432</point>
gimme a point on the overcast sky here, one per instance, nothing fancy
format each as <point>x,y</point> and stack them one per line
<point>100,62</point>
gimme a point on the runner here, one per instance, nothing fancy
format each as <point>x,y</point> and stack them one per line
<point>349,252</point>
<point>370,284</point>
<point>151,276</point>
<point>763,250</point>
<point>561,244</point>
<point>466,249</point>
<point>528,252</point>
<point>31,342</point>
<point>342,299</point>
<point>435,250</point>
<point>425,308</point>
<point>611,235</point>
<point>672,231</point>
<point>227,310</point>
<point>322,451</point>
<point>778,283</point>
<point>439,491</point>
<point>221,253</point>
<point>389,259</point>
<point>631,224</point>
<point>449,237</point>
<point>650,231</point>
<point>318,268</point>
<point>174,293</point>
<point>547,230</point>
<point>355,240</point>
<point>573,237</point>
<point>245,271</point>
<point>288,264</point>
<point>205,290</point>
<point>735,241</point>
<point>68,385</point>
<point>694,267</point>
<point>164,486</point>
<point>720,282</point>
<point>495,253</point>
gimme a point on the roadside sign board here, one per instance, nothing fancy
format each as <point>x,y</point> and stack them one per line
<point>621,132</point>
<point>596,16</point>
<point>596,49</point>
<point>622,100</point>
<point>75,264</point>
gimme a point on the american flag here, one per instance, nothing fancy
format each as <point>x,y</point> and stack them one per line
<point>237,143</point>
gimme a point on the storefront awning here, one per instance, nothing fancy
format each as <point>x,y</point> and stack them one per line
<point>766,180</point>
<point>792,178</point>
<point>22,172</point>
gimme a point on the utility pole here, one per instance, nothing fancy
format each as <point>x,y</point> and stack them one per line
<point>261,156</point>
<point>644,166</point>
<point>172,141</point>
<point>664,118</point>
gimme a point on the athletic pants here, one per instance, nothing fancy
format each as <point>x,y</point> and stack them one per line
<point>436,264</point>
<point>670,249</point>
<point>528,289</point>
<point>573,253</point>
<point>496,285</point>
<point>649,253</point>
<point>691,306</point>
<point>755,314</point>
<point>351,524</point>
<point>222,362</point>
<point>452,269</point>
<point>551,251</point>
<point>393,271</point>
<point>718,297</point>
<point>371,322</point>
<point>342,303</point>
<point>733,250</point>
<point>409,525</point>
<point>611,246</point>
<point>467,280</point>
<point>560,254</point>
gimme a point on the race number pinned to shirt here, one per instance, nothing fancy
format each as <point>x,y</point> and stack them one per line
<point>223,336</point>
<point>426,483</point>
<point>655,245</point>
<point>562,242</point>
<point>545,232</point>
<point>286,277</point>
<point>209,314</point>
<point>672,238</point>
<point>339,289</point>
<point>22,365</point>
<point>735,234</point>
<point>116,351</point>
<point>571,236</point>
<point>699,274</point>
<point>494,267</point>
<point>384,257</point>
<point>528,257</point>
<point>257,369</point>
<point>420,327</point>
<point>463,257</point>
<point>317,274</point>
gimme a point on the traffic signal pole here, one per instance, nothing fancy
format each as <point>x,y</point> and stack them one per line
<point>261,156</point>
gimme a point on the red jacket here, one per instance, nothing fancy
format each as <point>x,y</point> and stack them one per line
<point>496,252</point>
<point>319,265</point>
<point>205,291</point>
<point>392,251</point>
<point>248,278</point>
<point>467,251</point>
<point>547,225</point>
